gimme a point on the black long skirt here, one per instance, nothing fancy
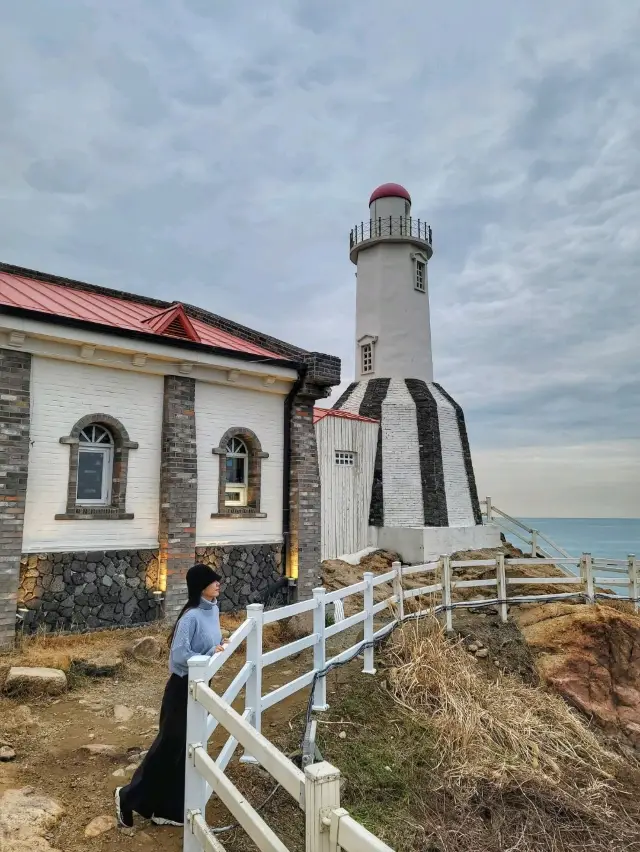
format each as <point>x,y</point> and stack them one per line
<point>157,787</point>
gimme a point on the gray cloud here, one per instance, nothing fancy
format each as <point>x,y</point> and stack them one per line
<point>222,152</point>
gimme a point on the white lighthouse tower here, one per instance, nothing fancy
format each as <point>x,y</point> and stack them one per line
<point>391,252</point>
<point>424,499</point>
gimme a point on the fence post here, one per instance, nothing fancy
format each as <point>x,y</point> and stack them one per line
<point>397,589</point>
<point>588,577</point>
<point>322,795</point>
<point>369,663</point>
<point>253,689</point>
<point>534,542</point>
<point>633,580</point>
<point>195,786</point>
<point>319,650</point>
<point>501,577</point>
<point>488,509</point>
<point>445,562</point>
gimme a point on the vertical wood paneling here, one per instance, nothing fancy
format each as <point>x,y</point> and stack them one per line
<point>346,490</point>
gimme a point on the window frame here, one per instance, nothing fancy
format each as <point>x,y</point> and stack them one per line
<point>345,458</point>
<point>366,357</point>
<point>241,487</point>
<point>419,271</point>
<point>250,505</point>
<point>112,504</point>
<point>107,474</point>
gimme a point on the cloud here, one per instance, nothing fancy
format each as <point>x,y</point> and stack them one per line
<point>222,152</point>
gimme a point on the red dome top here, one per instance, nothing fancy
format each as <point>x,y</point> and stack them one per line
<point>389,190</point>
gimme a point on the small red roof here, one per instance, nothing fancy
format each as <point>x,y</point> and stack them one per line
<point>321,413</point>
<point>127,314</point>
<point>389,190</point>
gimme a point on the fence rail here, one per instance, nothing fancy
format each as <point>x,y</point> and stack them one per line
<point>317,789</point>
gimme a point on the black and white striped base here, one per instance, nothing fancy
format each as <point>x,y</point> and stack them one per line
<point>423,470</point>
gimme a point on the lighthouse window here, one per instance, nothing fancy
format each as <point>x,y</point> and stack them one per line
<point>367,357</point>
<point>345,459</point>
<point>420,276</point>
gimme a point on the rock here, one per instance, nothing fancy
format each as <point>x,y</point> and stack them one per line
<point>473,647</point>
<point>144,650</point>
<point>35,681</point>
<point>25,819</point>
<point>343,735</point>
<point>100,825</point>
<point>7,753</point>
<point>122,713</point>
<point>481,653</point>
<point>300,625</point>
<point>591,656</point>
<point>99,748</point>
<point>21,719</point>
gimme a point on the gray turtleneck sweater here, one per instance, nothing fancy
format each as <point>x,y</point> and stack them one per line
<point>198,632</point>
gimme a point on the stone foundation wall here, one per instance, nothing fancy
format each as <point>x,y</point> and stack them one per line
<point>251,573</point>
<point>76,591</point>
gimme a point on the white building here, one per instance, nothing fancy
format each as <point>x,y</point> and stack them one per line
<point>423,499</point>
<point>137,437</point>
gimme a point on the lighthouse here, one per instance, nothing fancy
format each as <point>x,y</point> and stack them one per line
<point>423,499</point>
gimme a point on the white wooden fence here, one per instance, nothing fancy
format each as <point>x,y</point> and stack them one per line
<point>317,789</point>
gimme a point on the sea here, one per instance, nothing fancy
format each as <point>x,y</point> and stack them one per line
<point>614,538</point>
<point>610,538</point>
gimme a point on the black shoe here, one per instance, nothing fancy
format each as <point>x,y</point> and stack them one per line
<point>124,818</point>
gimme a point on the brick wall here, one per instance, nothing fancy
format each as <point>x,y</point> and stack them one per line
<point>15,377</point>
<point>178,488</point>
<point>305,506</point>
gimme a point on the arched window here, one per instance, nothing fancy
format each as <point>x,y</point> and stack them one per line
<point>240,480</point>
<point>99,448</point>
<point>95,466</point>
<point>237,474</point>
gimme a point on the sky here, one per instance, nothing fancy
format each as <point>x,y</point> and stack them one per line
<point>220,152</point>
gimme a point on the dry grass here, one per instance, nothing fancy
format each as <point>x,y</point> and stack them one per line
<point>509,755</point>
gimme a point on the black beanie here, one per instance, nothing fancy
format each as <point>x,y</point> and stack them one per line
<point>198,578</point>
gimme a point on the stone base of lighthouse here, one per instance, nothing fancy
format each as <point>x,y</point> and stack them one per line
<point>424,500</point>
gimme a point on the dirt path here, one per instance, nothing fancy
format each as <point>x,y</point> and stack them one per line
<point>51,759</point>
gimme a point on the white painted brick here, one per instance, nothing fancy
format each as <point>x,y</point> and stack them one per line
<point>62,393</point>
<point>402,486</point>
<point>352,405</point>
<point>219,408</point>
<point>456,484</point>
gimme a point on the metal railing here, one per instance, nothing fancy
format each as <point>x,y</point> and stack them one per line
<point>512,526</point>
<point>317,788</point>
<point>391,226</point>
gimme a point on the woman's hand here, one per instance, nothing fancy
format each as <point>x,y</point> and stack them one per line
<point>220,648</point>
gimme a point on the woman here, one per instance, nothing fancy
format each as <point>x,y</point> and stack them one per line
<point>156,790</point>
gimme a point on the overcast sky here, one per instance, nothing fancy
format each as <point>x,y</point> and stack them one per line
<point>218,152</point>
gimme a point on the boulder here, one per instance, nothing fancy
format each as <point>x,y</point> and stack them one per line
<point>100,825</point>
<point>25,819</point>
<point>591,656</point>
<point>144,650</point>
<point>35,681</point>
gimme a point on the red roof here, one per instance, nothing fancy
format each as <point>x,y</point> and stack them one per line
<point>321,413</point>
<point>390,190</point>
<point>105,310</point>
